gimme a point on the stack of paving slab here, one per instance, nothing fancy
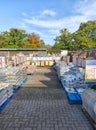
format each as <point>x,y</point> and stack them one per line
<point>19,58</point>
<point>72,80</point>
<point>3,61</point>
<point>6,93</point>
<point>45,60</point>
<point>13,76</point>
<point>89,105</point>
<point>31,69</point>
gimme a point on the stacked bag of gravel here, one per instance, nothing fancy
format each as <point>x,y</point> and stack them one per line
<point>13,75</point>
<point>6,92</point>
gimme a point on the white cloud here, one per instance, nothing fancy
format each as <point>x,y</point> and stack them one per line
<point>44,23</point>
<point>24,14</point>
<point>87,8</point>
<point>49,12</point>
<point>71,23</point>
<point>84,10</point>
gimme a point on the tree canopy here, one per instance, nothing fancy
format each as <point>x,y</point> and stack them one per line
<point>17,38</point>
<point>13,39</point>
<point>34,41</point>
<point>84,37</point>
<point>63,41</point>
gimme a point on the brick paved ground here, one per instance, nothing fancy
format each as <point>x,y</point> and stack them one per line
<point>42,106</point>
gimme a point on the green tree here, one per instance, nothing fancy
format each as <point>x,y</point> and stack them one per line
<point>34,41</point>
<point>4,39</point>
<point>49,47</point>
<point>15,38</point>
<point>63,41</point>
<point>85,36</point>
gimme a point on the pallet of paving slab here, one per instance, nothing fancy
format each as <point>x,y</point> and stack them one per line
<point>90,82</point>
<point>89,118</point>
<point>72,96</point>
<point>9,98</point>
<point>16,89</point>
<point>6,103</point>
<point>24,81</point>
<point>80,90</point>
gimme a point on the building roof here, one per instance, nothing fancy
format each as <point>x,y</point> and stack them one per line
<point>23,49</point>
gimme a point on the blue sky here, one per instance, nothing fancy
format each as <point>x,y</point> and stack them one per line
<point>45,17</point>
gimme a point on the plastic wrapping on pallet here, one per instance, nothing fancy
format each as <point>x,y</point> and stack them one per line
<point>46,63</point>
<point>51,63</point>
<point>45,60</point>
<point>89,102</point>
<point>13,75</point>
<point>31,69</point>
<point>42,63</point>
<point>80,90</point>
<point>6,91</point>
<point>72,80</point>
<point>3,61</point>
<point>18,59</point>
<point>69,74</point>
<point>70,90</point>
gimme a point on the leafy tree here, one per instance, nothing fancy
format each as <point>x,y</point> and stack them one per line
<point>15,38</point>
<point>63,41</point>
<point>34,41</point>
<point>49,48</point>
<point>85,36</point>
<point>3,36</point>
<point>18,37</point>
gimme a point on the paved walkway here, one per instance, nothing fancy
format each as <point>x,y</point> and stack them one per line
<point>41,104</point>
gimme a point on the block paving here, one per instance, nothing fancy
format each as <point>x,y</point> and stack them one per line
<point>41,104</point>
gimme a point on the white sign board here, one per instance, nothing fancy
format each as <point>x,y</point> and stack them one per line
<point>64,52</point>
<point>90,72</point>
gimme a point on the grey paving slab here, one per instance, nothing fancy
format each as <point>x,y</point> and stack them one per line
<point>41,104</point>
